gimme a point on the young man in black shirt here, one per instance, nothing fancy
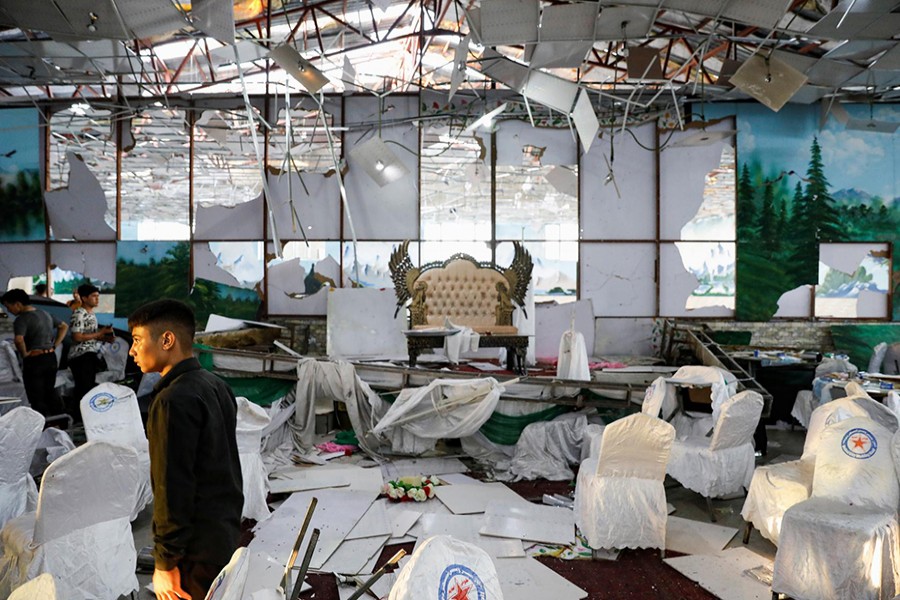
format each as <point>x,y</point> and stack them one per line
<point>194,466</point>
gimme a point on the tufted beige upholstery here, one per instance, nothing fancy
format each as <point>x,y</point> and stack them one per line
<point>466,294</point>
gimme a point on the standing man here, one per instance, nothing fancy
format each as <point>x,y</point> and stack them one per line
<point>37,334</point>
<point>194,466</point>
<point>84,355</point>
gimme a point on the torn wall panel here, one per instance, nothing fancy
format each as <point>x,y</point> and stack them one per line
<point>629,214</point>
<point>77,211</point>
<point>390,212</point>
<point>552,320</point>
<point>691,280</point>
<point>557,146</point>
<point>619,278</point>
<point>206,266</point>
<point>683,173</point>
<point>292,290</point>
<point>94,261</point>
<point>795,302</point>
<point>847,257</point>
<point>21,260</point>
<point>361,322</point>
<point>307,200</point>
<point>871,305</point>
<point>242,221</point>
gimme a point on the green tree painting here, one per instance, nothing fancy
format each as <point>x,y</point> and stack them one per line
<point>148,271</point>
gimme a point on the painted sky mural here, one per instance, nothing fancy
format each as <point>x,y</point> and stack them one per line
<point>799,185</point>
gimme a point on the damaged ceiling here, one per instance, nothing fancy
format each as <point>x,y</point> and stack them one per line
<point>631,54</point>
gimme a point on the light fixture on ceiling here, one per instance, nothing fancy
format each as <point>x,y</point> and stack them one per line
<point>378,161</point>
<point>91,26</point>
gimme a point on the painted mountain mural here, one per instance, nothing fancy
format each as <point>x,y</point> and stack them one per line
<point>800,185</point>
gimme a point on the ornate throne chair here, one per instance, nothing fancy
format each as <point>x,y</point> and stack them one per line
<point>479,295</point>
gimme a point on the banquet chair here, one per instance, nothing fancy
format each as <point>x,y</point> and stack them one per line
<point>81,531</point>
<point>111,414</point>
<point>722,464</point>
<point>620,501</point>
<point>843,541</point>
<point>251,420</point>
<point>20,430</point>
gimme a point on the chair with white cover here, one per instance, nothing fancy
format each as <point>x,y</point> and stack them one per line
<point>229,583</point>
<point>844,541</point>
<point>20,430</point>
<point>722,464</point>
<point>445,567</point>
<point>42,587</point>
<point>620,500</point>
<point>81,531</point>
<point>251,420</point>
<point>661,398</point>
<point>111,414</point>
<point>777,487</point>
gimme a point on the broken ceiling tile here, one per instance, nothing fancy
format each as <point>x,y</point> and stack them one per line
<point>769,80</point>
<point>795,303</point>
<point>77,211</point>
<point>239,222</point>
<point>644,64</point>
<point>509,21</point>
<point>94,261</point>
<point>458,75</point>
<point>508,72</point>
<point>307,200</point>
<point>349,76</point>
<point>378,161</point>
<point>624,22</point>
<point>549,55</point>
<point>21,260</point>
<point>568,22</point>
<point>873,125</point>
<point>630,214</point>
<point>554,92</point>
<point>299,68</point>
<point>563,180</point>
<point>215,18</point>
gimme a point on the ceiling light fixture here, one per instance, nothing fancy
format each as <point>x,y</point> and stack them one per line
<point>91,24</point>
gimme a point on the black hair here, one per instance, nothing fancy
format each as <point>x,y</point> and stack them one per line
<point>40,288</point>
<point>86,289</point>
<point>167,313</point>
<point>15,295</point>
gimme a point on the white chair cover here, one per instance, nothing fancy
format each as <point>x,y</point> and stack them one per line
<point>42,587</point>
<point>661,399</point>
<point>620,501</point>
<point>776,488</point>
<point>444,567</point>
<point>251,420</point>
<point>722,464</point>
<point>591,440</point>
<point>111,414</point>
<point>229,583</point>
<point>20,430</point>
<point>547,448</point>
<point>804,404</point>
<point>81,531</point>
<point>116,356</point>
<point>843,541</point>
<point>444,408</point>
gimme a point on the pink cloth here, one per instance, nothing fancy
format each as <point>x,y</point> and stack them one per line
<point>333,447</point>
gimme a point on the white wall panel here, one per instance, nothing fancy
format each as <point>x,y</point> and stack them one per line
<point>390,212</point>
<point>606,216</point>
<point>619,278</point>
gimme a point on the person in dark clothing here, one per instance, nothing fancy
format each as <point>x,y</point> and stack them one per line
<point>194,466</point>
<point>84,355</point>
<point>36,335</point>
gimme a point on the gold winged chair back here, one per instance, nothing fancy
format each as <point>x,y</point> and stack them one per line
<point>475,294</point>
